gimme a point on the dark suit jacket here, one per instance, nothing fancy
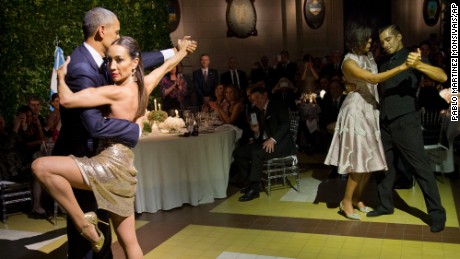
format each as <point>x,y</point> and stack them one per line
<point>277,126</point>
<point>329,111</point>
<point>205,88</point>
<point>226,79</point>
<point>290,72</point>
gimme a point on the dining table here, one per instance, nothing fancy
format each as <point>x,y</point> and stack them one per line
<point>174,169</point>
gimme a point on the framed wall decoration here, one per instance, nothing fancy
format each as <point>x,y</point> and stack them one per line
<point>174,14</point>
<point>314,12</point>
<point>241,18</point>
<point>431,11</point>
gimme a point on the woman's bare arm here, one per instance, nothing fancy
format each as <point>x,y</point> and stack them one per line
<point>351,68</point>
<point>88,97</point>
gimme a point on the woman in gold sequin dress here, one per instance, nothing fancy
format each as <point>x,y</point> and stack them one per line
<point>356,148</point>
<point>110,174</point>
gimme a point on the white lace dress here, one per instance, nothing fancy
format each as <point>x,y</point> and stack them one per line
<point>356,145</point>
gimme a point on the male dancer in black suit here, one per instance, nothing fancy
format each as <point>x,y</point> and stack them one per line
<point>205,80</point>
<point>401,127</point>
<point>82,127</point>
<point>272,138</point>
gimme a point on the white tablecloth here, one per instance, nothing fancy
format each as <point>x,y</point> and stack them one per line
<point>174,170</point>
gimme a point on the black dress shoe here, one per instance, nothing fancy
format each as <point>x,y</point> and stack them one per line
<point>251,194</point>
<point>35,215</point>
<point>437,225</point>
<point>245,189</point>
<point>377,212</point>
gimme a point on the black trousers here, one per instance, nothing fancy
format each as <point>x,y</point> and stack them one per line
<point>404,134</point>
<point>249,159</point>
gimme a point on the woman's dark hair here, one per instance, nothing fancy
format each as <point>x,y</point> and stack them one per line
<point>307,58</point>
<point>236,92</point>
<point>135,52</point>
<point>54,96</point>
<point>24,109</point>
<point>357,38</point>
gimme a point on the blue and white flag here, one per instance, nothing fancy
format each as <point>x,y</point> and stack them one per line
<point>58,61</point>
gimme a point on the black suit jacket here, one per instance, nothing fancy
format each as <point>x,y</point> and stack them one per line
<point>329,111</point>
<point>205,88</point>
<point>289,71</point>
<point>226,79</point>
<point>277,126</point>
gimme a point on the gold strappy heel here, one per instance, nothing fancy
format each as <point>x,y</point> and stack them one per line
<point>91,217</point>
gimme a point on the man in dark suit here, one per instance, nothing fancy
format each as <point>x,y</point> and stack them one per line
<point>82,127</point>
<point>205,80</point>
<point>234,76</point>
<point>286,68</point>
<point>265,73</point>
<point>400,124</point>
<point>272,138</point>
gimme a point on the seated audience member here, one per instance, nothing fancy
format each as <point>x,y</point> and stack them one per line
<point>218,99</point>
<point>173,89</point>
<point>330,107</point>
<point>272,138</point>
<point>31,132</point>
<point>286,92</point>
<point>309,112</point>
<point>235,114</point>
<point>13,166</point>
<point>428,96</point>
<point>53,122</point>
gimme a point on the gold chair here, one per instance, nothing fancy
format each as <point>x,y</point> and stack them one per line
<point>13,193</point>
<point>283,167</point>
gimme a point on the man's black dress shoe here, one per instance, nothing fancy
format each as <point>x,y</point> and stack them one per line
<point>245,189</point>
<point>377,212</point>
<point>251,194</point>
<point>437,225</point>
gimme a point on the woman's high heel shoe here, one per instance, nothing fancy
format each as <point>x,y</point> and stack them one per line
<point>364,209</point>
<point>91,217</point>
<point>353,216</point>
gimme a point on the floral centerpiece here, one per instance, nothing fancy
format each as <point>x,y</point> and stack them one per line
<point>159,116</point>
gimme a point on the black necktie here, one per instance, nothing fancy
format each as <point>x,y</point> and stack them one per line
<point>262,122</point>
<point>104,70</point>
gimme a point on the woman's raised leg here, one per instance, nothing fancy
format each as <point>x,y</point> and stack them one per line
<point>58,175</point>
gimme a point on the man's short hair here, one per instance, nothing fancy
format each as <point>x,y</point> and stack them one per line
<point>96,17</point>
<point>259,89</point>
<point>393,27</point>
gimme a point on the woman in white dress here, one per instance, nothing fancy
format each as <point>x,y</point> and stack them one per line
<point>356,147</point>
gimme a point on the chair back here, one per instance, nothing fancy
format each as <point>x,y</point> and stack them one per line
<point>431,126</point>
<point>294,125</point>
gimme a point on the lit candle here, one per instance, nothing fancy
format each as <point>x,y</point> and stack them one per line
<point>159,106</point>
<point>155,103</point>
<point>177,113</point>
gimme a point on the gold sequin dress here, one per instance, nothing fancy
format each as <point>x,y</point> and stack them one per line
<point>112,177</point>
